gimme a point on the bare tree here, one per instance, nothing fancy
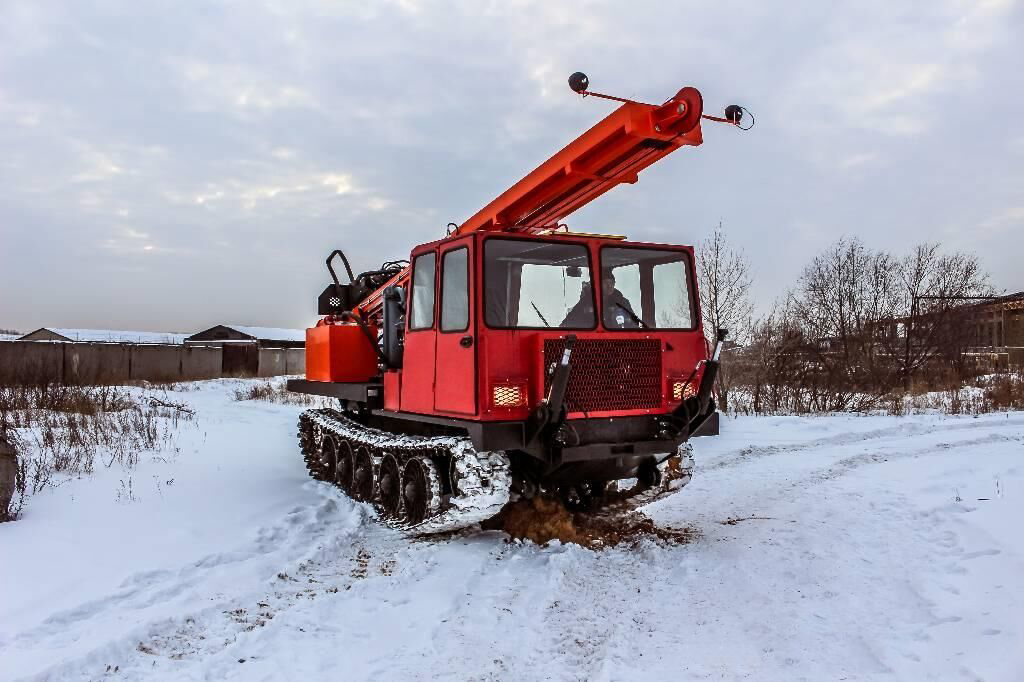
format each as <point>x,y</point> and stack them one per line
<point>841,296</point>
<point>858,323</point>
<point>933,320</point>
<point>769,365</point>
<point>723,274</point>
<point>724,277</point>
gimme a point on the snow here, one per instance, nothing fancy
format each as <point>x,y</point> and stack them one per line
<point>270,333</point>
<point>840,547</point>
<point>113,336</point>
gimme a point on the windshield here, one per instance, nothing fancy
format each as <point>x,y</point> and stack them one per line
<point>538,284</point>
<point>645,289</point>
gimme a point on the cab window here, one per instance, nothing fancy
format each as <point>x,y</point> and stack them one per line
<point>645,289</point>
<point>455,290</point>
<point>533,284</point>
<point>421,314</point>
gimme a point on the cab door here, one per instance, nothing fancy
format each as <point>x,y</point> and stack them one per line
<point>421,333</point>
<point>455,367</point>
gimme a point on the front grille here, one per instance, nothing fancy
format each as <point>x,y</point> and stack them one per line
<point>608,374</point>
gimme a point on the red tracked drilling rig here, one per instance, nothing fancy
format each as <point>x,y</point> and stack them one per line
<point>514,357</point>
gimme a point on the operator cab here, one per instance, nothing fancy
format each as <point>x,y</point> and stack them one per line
<point>492,313</point>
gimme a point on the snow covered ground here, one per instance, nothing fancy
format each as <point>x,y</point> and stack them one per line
<point>830,548</point>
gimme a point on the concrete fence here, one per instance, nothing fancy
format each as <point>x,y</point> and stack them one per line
<point>32,362</point>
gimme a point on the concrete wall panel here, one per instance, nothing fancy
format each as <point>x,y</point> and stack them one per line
<point>200,362</point>
<point>155,363</point>
<point>114,363</point>
<point>31,362</point>
<point>96,363</point>
<point>295,361</point>
<point>272,362</point>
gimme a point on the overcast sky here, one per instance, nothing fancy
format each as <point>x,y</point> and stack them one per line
<point>170,165</point>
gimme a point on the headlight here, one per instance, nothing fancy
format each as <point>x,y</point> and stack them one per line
<point>508,395</point>
<point>682,390</point>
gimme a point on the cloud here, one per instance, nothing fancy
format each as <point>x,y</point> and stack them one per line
<point>857,160</point>
<point>218,87</point>
<point>1009,218</point>
<point>222,148</point>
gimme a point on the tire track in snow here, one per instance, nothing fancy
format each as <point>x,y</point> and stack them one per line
<point>489,625</point>
<point>328,526</point>
<point>559,612</point>
<point>754,452</point>
<point>802,466</point>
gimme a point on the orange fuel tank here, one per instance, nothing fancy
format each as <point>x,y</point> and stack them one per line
<point>340,353</point>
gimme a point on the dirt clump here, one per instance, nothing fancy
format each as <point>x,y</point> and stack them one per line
<point>542,519</point>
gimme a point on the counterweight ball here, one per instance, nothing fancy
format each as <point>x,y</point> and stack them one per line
<point>579,82</point>
<point>734,113</point>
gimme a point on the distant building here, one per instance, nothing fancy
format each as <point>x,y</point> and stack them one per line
<point>263,337</point>
<point>999,323</point>
<point>106,356</point>
<point>102,336</point>
<point>255,351</point>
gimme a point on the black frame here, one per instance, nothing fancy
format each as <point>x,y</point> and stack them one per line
<point>440,291</point>
<point>483,283</point>
<point>691,289</point>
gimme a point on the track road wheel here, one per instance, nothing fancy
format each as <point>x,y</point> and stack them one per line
<point>346,467</point>
<point>390,486</point>
<point>328,469</point>
<point>421,489</point>
<point>648,474</point>
<point>455,475</point>
<point>363,479</point>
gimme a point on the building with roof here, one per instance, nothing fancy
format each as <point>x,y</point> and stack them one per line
<point>999,323</point>
<point>255,351</point>
<point>103,336</point>
<point>263,337</point>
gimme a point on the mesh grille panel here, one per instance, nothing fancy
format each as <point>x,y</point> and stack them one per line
<point>609,374</point>
<point>509,395</point>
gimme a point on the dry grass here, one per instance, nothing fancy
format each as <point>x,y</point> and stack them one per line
<point>63,431</point>
<point>944,395</point>
<point>1005,391</point>
<point>276,392</point>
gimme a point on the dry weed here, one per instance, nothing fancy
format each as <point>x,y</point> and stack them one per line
<point>62,430</point>
<point>276,392</point>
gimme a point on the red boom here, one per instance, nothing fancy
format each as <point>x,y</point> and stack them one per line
<point>614,151</point>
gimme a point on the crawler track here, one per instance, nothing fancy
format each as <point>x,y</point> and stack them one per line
<point>443,483</point>
<point>437,484</point>
<point>673,476</point>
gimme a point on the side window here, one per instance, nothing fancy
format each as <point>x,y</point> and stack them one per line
<point>672,308</point>
<point>455,290</point>
<point>421,316</point>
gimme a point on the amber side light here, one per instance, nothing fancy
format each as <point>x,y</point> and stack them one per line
<point>508,395</point>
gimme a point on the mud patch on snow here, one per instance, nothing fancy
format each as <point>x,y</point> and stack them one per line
<point>543,519</point>
<point>630,529</point>
<point>733,520</point>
